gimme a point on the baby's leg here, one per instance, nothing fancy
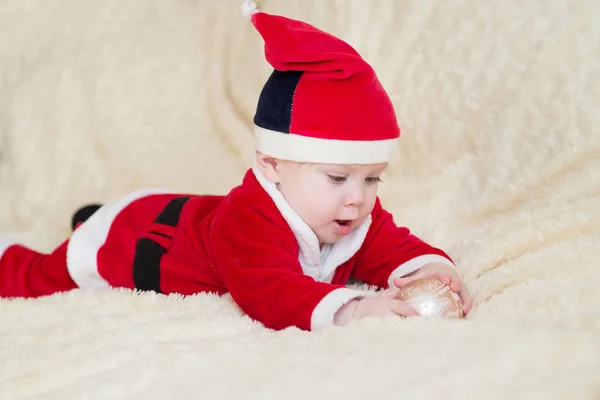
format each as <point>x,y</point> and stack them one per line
<point>27,273</point>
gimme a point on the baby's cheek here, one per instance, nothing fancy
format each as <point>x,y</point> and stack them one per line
<point>369,202</point>
<point>315,210</point>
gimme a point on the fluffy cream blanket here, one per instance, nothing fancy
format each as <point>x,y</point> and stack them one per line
<point>499,164</point>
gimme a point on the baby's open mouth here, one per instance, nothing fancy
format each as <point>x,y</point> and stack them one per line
<point>343,222</point>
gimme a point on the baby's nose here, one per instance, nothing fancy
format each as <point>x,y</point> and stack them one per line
<point>355,197</point>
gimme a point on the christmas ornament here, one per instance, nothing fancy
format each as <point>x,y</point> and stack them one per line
<point>432,298</point>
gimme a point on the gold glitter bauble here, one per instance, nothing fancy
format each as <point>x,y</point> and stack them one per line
<point>432,298</point>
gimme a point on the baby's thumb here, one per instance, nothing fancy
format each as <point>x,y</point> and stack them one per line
<point>400,282</point>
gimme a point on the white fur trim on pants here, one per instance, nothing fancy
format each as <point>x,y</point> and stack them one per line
<point>414,264</point>
<point>91,235</point>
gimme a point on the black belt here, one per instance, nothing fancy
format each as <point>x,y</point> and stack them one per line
<point>149,252</point>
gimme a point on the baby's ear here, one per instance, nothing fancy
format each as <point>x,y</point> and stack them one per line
<point>268,166</point>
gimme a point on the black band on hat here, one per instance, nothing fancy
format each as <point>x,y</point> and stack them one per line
<point>274,109</point>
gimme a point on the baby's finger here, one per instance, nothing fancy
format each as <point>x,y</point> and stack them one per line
<point>466,298</point>
<point>455,283</point>
<point>467,307</point>
<point>400,282</point>
<point>467,303</point>
<point>445,279</point>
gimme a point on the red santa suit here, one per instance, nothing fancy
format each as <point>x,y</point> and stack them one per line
<point>250,243</point>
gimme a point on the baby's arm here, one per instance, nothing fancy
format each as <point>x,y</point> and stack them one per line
<point>256,257</point>
<point>390,252</point>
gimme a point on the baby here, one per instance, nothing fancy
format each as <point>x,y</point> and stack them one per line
<point>285,242</point>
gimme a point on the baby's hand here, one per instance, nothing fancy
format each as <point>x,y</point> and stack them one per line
<point>377,306</point>
<point>447,275</point>
<point>383,305</point>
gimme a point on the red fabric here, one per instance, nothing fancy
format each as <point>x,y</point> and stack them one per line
<point>386,247</point>
<point>185,268</point>
<point>346,111</point>
<point>115,257</point>
<point>296,45</point>
<point>339,95</point>
<point>239,244</point>
<point>27,273</point>
<point>265,278</point>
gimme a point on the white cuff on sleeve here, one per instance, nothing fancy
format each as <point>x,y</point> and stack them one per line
<point>322,315</point>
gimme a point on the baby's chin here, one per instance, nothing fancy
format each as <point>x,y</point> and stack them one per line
<point>329,238</point>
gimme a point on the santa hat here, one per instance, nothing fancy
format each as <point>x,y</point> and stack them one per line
<point>322,103</point>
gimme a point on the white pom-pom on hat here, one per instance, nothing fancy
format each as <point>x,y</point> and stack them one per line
<point>249,8</point>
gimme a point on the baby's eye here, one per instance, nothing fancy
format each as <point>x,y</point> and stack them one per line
<point>373,179</point>
<point>337,179</point>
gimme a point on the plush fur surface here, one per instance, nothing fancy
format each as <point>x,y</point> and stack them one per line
<point>499,159</point>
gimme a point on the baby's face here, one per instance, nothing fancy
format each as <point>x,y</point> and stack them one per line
<point>331,199</point>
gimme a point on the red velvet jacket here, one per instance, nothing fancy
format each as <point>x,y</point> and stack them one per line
<point>251,244</point>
